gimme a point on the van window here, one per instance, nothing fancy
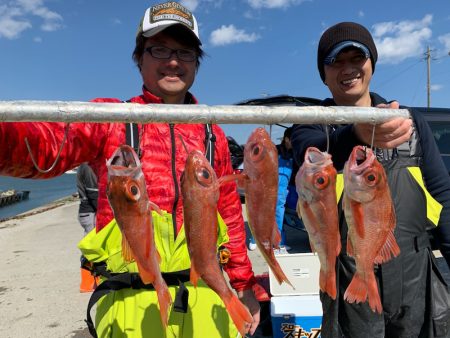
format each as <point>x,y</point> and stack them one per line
<point>441,133</point>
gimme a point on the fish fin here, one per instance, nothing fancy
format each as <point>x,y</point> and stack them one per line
<point>239,314</point>
<point>276,236</point>
<point>338,244</point>
<point>153,206</point>
<point>127,253</point>
<point>327,281</point>
<point>146,276</point>
<point>164,300</point>
<point>350,250</point>
<point>359,291</point>
<point>356,291</point>
<point>313,249</point>
<point>241,179</point>
<point>389,249</point>
<point>194,274</point>
<point>228,178</point>
<point>276,269</point>
<point>358,217</point>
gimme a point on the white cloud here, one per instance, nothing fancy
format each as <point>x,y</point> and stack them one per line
<point>190,4</point>
<point>226,35</point>
<point>445,40</point>
<point>436,87</point>
<point>273,3</point>
<point>16,16</point>
<point>10,25</point>
<point>397,41</point>
<point>193,4</point>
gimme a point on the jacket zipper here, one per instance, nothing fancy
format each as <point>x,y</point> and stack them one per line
<point>175,182</point>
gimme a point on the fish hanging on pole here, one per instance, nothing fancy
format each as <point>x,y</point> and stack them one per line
<point>127,195</point>
<point>200,191</point>
<point>259,179</point>
<point>371,220</point>
<point>317,206</point>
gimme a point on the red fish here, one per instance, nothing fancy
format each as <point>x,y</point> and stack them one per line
<point>317,206</point>
<point>259,180</point>
<point>200,190</point>
<point>371,221</point>
<point>127,195</point>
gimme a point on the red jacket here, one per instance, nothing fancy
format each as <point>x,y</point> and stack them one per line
<point>163,159</point>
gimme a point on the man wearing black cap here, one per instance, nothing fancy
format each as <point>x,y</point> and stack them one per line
<point>415,298</point>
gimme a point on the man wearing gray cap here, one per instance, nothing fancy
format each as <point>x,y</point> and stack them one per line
<point>167,54</point>
<point>414,296</point>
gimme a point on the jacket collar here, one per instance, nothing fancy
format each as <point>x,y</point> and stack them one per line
<point>151,98</point>
<point>374,98</point>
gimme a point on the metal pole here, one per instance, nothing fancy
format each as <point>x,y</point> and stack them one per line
<point>428,76</point>
<point>60,111</point>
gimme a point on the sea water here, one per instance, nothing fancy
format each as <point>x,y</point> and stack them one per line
<point>42,192</point>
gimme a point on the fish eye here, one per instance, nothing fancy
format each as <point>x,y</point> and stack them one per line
<point>204,176</point>
<point>321,181</point>
<point>134,190</point>
<point>371,178</point>
<point>133,193</point>
<point>256,150</point>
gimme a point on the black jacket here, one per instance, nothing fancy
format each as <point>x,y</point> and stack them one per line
<point>343,139</point>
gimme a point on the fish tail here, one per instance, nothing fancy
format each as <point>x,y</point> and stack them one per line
<point>327,282</point>
<point>374,296</point>
<point>278,273</point>
<point>357,290</point>
<point>239,314</point>
<point>164,300</point>
<point>360,290</point>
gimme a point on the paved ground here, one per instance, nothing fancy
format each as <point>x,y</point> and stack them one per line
<point>39,276</point>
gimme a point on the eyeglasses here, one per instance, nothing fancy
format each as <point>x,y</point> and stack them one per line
<point>161,52</point>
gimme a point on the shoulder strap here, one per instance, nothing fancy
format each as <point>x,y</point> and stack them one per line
<point>132,136</point>
<point>210,140</point>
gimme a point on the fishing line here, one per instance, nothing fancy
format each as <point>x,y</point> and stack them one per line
<point>373,138</point>
<point>184,144</point>
<point>42,171</point>
<point>328,137</point>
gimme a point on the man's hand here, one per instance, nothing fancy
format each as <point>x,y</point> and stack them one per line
<point>247,297</point>
<point>387,135</point>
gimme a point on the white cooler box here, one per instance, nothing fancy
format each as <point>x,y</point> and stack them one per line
<point>296,316</point>
<point>302,270</point>
<point>296,312</point>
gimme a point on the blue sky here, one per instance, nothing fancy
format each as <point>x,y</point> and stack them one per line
<point>80,49</point>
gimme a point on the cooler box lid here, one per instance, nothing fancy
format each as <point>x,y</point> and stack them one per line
<point>302,270</point>
<point>298,306</point>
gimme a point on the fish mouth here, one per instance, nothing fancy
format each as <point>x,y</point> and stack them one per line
<point>123,161</point>
<point>361,158</point>
<point>315,156</point>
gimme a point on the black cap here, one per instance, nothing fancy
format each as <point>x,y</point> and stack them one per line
<point>351,32</point>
